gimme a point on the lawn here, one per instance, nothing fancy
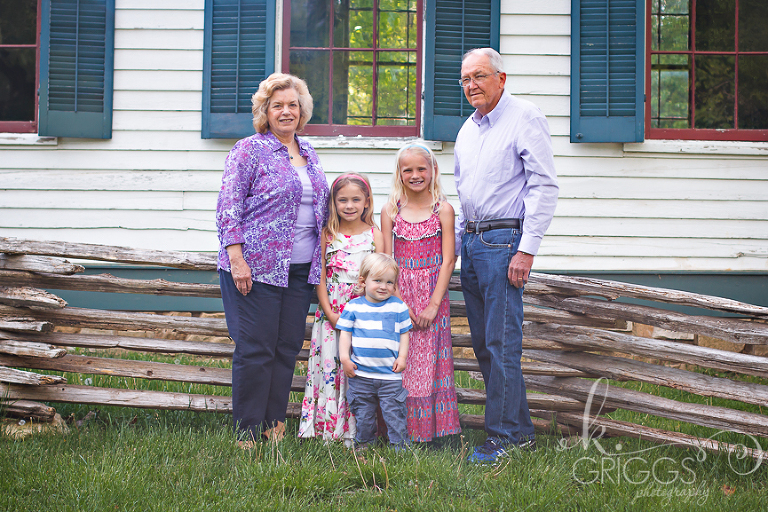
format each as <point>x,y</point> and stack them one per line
<point>132,459</point>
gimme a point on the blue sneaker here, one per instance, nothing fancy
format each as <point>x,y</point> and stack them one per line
<point>494,449</point>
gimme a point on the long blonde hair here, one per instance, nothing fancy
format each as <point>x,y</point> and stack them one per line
<point>331,230</point>
<point>398,198</point>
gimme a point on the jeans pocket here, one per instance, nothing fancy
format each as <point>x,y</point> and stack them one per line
<point>499,237</point>
<point>401,395</point>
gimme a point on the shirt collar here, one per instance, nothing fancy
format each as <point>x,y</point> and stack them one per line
<point>276,145</point>
<point>494,114</point>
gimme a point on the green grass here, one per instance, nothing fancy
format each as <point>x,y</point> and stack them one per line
<point>131,459</point>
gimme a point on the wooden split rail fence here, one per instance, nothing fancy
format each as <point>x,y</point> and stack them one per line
<point>572,336</point>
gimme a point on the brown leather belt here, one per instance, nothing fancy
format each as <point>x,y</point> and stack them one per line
<point>487,225</point>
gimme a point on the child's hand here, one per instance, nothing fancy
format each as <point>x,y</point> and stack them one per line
<point>399,365</point>
<point>333,318</point>
<point>349,368</point>
<point>414,318</point>
<point>425,318</point>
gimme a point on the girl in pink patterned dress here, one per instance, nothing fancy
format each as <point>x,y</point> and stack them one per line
<point>420,220</point>
<point>349,236</point>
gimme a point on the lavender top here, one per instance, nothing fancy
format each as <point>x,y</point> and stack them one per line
<point>259,204</point>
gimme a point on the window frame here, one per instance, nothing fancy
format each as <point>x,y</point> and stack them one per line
<point>731,134</point>
<point>327,130</point>
<point>28,126</point>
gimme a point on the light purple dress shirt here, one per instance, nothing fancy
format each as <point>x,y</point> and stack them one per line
<point>504,168</point>
<point>258,206</point>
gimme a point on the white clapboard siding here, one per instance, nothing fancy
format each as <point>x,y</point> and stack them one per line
<point>662,209</point>
<point>110,180</point>
<point>535,45</point>
<point>131,219</point>
<point>536,24</point>
<point>537,7</point>
<point>652,206</point>
<point>184,60</point>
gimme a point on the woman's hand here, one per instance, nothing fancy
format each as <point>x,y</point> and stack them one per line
<point>241,272</point>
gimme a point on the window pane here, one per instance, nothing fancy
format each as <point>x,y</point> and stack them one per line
<point>17,84</point>
<point>18,22</point>
<point>670,92</point>
<point>353,88</point>
<point>672,6</point>
<point>715,81</point>
<point>753,20</point>
<point>396,89</point>
<point>313,67</point>
<point>753,93</point>
<point>715,25</point>
<point>397,25</point>
<point>310,23</point>
<point>353,25</point>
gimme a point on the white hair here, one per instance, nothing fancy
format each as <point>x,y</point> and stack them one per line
<point>493,56</point>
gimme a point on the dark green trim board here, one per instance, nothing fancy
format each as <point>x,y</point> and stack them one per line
<point>749,287</point>
<point>452,28</point>
<point>607,70</point>
<point>238,53</point>
<point>77,40</point>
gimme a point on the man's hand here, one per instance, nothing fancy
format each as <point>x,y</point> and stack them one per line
<point>519,268</point>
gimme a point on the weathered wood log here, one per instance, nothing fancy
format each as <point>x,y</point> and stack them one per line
<point>596,339</point>
<point>24,324</point>
<point>15,376</point>
<point>26,296</point>
<point>536,314</point>
<point>614,428</point>
<point>144,399</point>
<point>698,414</point>
<point>614,289</point>
<point>189,260</point>
<point>30,348</point>
<point>104,341</point>
<point>108,283</point>
<point>529,368</point>
<point>28,409</point>
<point>729,329</point>
<point>149,370</point>
<point>117,320</point>
<point>623,369</point>
<point>38,264</point>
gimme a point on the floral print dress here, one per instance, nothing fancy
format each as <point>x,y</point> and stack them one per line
<point>324,411</point>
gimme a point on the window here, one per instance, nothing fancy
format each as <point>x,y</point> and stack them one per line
<point>19,50</point>
<point>361,59</point>
<point>697,72</point>
<point>708,62</point>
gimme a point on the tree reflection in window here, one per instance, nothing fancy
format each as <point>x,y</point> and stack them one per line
<point>709,64</point>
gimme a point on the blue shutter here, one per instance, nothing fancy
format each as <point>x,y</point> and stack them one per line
<point>607,70</point>
<point>239,53</point>
<point>76,63</point>
<point>453,28</point>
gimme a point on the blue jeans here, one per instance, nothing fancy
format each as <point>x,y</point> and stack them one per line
<point>495,315</point>
<point>365,395</point>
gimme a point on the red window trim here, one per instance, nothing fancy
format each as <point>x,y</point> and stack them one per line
<point>325,130</point>
<point>27,126</point>
<point>731,134</point>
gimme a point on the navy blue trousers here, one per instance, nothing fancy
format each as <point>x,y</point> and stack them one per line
<point>267,326</point>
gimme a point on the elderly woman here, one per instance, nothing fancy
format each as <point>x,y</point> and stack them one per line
<point>270,211</point>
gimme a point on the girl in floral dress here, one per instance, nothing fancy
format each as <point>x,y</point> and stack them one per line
<point>347,239</point>
<point>417,224</point>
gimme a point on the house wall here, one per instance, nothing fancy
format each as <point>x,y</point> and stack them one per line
<point>654,206</point>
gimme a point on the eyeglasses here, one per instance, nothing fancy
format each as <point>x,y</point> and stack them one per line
<point>478,79</point>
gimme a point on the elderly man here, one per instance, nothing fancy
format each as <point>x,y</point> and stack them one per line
<point>505,177</point>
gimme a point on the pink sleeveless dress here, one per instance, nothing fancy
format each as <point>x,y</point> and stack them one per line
<point>431,402</point>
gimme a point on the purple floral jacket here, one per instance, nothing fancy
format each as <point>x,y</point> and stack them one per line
<point>259,203</point>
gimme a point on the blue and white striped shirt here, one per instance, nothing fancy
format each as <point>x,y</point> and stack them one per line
<point>376,328</point>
